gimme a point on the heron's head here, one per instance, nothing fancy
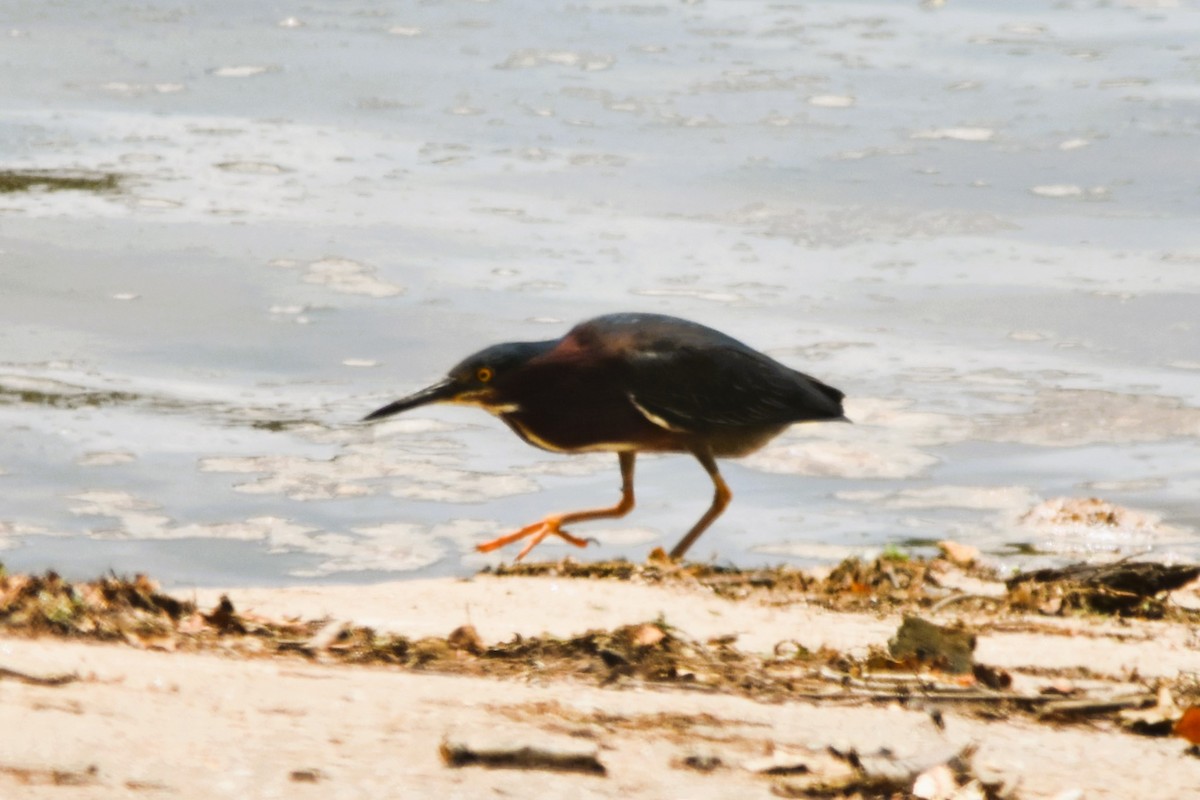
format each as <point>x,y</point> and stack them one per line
<point>480,380</point>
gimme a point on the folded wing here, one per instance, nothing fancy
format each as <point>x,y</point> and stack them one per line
<point>704,389</point>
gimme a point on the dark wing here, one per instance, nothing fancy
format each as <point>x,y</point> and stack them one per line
<point>700,389</point>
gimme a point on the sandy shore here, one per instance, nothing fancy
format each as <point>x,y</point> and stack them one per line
<point>146,723</point>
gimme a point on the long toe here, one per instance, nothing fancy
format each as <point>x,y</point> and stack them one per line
<point>551,528</point>
<point>509,538</point>
<point>534,542</point>
<point>537,532</point>
<point>578,541</point>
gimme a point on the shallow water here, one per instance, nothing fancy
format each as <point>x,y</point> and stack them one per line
<point>976,219</point>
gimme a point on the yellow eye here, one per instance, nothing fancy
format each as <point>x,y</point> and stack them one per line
<point>484,374</point>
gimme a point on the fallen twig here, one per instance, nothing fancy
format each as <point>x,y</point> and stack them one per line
<point>1095,705</point>
<point>946,602</point>
<point>39,680</point>
<point>562,758</point>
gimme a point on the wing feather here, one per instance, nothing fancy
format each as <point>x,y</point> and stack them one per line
<point>700,389</point>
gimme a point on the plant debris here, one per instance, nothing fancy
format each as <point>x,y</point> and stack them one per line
<point>42,776</point>
<point>61,679</point>
<point>927,666</point>
<point>834,772</point>
<point>700,762</point>
<point>108,608</point>
<point>854,584</point>
<point>1127,588</point>
<point>559,756</point>
<point>1159,719</point>
<point>306,775</point>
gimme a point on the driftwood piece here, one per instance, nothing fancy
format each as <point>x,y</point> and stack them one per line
<point>548,755</point>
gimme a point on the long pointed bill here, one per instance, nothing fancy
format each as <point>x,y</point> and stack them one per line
<point>438,393</point>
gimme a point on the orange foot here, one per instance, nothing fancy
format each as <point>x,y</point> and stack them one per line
<point>537,532</point>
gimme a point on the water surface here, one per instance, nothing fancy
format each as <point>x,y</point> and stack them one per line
<point>976,219</point>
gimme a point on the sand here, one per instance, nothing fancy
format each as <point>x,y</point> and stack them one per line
<point>146,723</point>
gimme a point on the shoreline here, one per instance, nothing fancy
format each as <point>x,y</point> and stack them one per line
<point>679,681</point>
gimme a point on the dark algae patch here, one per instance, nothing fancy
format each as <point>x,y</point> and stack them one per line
<point>45,180</point>
<point>70,397</point>
<point>280,425</point>
<point>54,394</point>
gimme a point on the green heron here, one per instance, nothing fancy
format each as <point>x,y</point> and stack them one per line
<point>631,383</point>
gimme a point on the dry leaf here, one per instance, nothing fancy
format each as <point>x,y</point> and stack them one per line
<point>1188,726</point>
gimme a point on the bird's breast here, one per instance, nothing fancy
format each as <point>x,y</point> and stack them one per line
<point>586,427</point>
<point>577,438</point>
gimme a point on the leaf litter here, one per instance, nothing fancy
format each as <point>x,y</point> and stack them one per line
<point>925,665</point>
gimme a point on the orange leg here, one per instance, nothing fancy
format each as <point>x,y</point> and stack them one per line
<point>551,525</point>
<point>721,498</point>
